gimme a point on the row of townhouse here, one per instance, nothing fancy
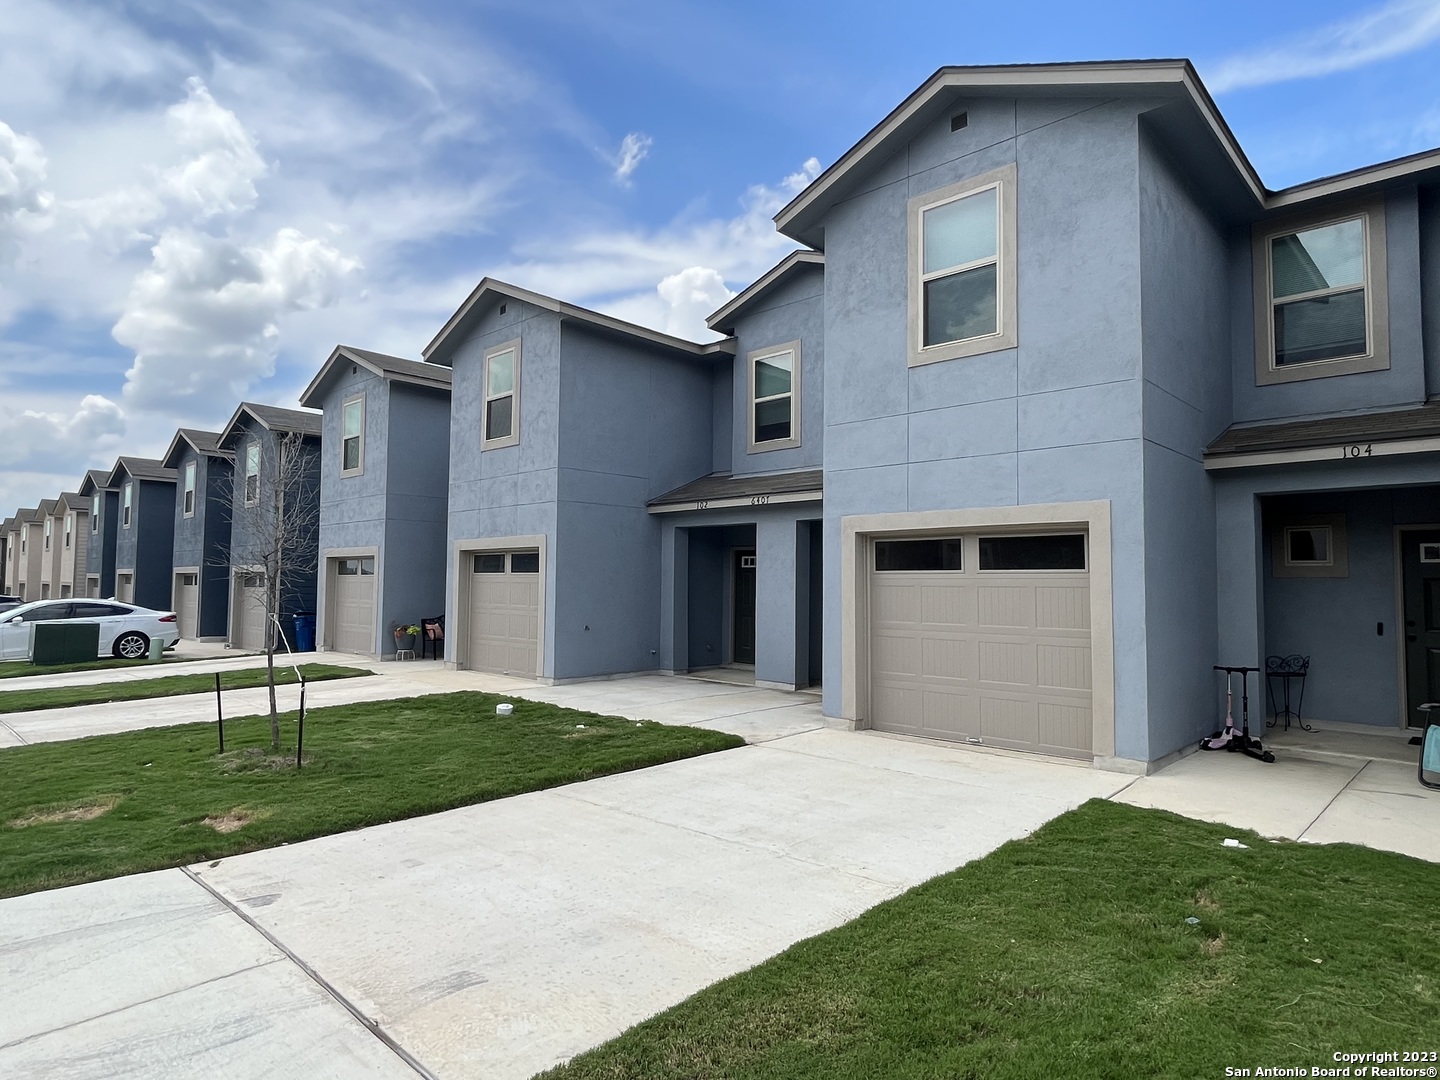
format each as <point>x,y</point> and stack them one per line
<point>1057,407</point>
<point>187,532</point>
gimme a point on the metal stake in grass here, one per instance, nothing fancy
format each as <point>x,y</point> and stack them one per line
<point>219,713</point>
<point>300,732</point>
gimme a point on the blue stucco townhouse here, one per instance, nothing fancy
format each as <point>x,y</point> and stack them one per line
<point>145,532</point>
<point>200,589</point>
<point>384,483</point>
<point>103,522</point>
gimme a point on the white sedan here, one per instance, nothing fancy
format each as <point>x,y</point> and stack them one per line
<point>125,630</point>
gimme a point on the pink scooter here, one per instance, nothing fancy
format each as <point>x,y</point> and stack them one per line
<point>1228,738</point>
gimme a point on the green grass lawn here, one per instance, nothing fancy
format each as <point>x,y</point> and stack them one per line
<point>61,697</point>
<point>23,669</point>
<point>1067,954</point>
<point>118,804</point>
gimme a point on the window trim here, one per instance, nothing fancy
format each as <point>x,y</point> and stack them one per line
<point>69,528</point>
<point>1371,213</point>
<point>95,512</point>
<point>359,469</point>
<point>1338,565</point>
<point>187,494</point>
<point>127,503</point>
<point>49,528</point>
<point>253,444</point>
<point>752,359</point>
<point>513,439</point>
<point>1004,179</point>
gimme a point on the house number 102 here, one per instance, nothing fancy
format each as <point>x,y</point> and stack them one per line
<point>1356,450</point>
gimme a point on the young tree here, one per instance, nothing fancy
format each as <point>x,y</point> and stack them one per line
<point>274,529</point>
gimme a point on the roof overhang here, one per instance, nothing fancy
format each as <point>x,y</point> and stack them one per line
<point>170,458</point>
<point>489,289</point>
<point>1174,79</point>
<point>243,410</point>
<point>722,321</point>
<point>344,354</point>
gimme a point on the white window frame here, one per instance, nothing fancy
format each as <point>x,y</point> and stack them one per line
<point>95,512</point>
<point>253,445</point>
<point>752,361</point>
<point>1005,335</point>
<point>487,443</point>
<point>1371,212</point>
<point>69,528</point>
<point>127,503</point>
<point>1337,565</point>
<point>49,528</point>
<point>187,498</point>
<point>358,400</point>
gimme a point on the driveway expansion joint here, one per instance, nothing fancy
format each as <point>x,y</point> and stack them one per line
<point>1344,788</point>
<point>369,1024</point>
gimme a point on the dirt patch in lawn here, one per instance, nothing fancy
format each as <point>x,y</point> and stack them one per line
<point>255,759</point>
<point>88,812</point>
<point>233,820</point>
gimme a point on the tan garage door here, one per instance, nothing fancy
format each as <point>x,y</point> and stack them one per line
<point>354,605</point>
<point>250,611</point>
<point>125,588</point>
<point>983,638</point>
<point>187,603</point>
<point>504,623</point>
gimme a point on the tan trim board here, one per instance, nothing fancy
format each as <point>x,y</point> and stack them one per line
<point>752,359</point>
<point>1354,451</point>
<point>856,534</point>
<point>738,501</point>
<point>762,284</point>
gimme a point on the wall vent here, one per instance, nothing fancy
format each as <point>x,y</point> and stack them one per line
<point>959,120</point>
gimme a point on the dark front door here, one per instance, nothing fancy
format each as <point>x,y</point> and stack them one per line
<point>1420,554</point>
<point>743,651</point>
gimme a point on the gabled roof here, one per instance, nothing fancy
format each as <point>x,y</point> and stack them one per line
<point>272,418</point>
<point>1368,434</point>
<point>45,509</point>
<point>202,442</point>
<point>490,289</point>
<point>723,321</point>
<point>25,515</point>
<point>95,480</point>
<point>139,468</point>
<point>7,525</point>
<point>1173,79</point>
<point>434,376</point>
<point>72,500</point>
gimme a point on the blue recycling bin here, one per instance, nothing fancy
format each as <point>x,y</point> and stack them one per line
<point>305,631</point>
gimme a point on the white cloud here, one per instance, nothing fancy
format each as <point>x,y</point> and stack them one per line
<point>24,202</point>
<point>633,149</point>
<point>37,439</point>
<point>221,177</point>
<point>1396,28</point>
<point>204,317</point>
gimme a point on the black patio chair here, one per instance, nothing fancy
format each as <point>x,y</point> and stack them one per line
<point>432,636</point>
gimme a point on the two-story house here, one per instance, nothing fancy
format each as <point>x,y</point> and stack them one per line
<point>274,520</point>
<point>145,533</point>
<point>384,484</point>
<point>9,549</point>
<point>104,526</point>
<point>34,557</point>
<point>564,425</point>
<point>72,536</point>
<point>200,589</point>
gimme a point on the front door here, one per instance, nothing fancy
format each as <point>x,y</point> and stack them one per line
<point>1420,555</point>
<point>743,650</point>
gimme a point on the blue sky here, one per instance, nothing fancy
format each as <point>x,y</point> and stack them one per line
<point>196,206</point>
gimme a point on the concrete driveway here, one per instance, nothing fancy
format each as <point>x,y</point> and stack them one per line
<point>495,940</point>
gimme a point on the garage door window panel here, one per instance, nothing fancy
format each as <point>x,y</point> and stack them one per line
<point>903,555</point>
<point>1030,553</point>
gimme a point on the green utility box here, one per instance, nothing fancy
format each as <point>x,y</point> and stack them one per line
<point>65,642</point>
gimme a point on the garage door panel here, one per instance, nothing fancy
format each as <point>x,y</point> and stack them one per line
<point>355,605</point>
<point>1000,655</point>
<point>1066,667</point>
<point>504,616</point>
<point>1062,607</point>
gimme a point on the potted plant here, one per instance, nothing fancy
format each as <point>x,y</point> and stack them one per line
<point>405,634</point>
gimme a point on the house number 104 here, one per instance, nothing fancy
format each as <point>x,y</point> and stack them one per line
<point>1356,450</point>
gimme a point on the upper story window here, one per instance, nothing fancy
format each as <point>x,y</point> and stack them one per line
<point>352,437</point>
<point>95,513</point>
<point>1320,296</point>
<point>69,527</point>
<point>127,498</point>
<point>188,498</point>
<point>774,398</point>
<point>962,269</point>
<point>500,424</point>
<point>48,522</point>
<point>252,474</point>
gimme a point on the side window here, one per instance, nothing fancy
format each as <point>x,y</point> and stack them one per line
<point>188,498</point>
<point>352,437</point>
<point>69,527</point>
<point>252,474</point>
<point>95,611</point>
<point>500,422</point>
<point>48,523</point>
<point>95,513</point>
<point>1321,305</point>
<point>962,269</point>
<point>127,497</point>
<point>46,612</point>
<point>774,381</point>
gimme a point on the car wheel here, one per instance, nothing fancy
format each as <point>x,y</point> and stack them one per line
<point>131,645</point>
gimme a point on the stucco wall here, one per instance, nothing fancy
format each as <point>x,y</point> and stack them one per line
<point>417,487</point>
<point>154,529</point>
<point>203,539</point>
<point>795,311</point>
<point>1056,419</point>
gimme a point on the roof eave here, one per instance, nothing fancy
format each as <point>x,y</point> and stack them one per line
<point>721,321</point>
